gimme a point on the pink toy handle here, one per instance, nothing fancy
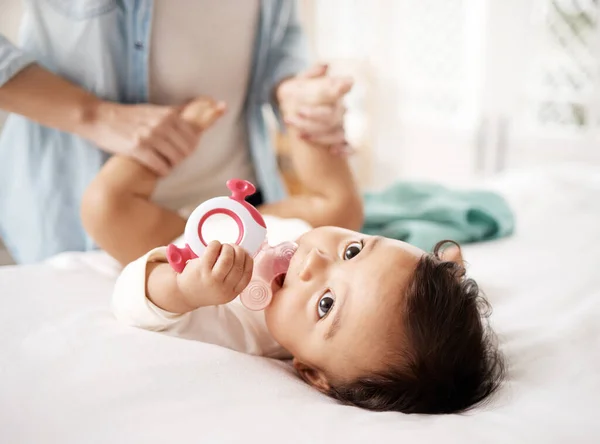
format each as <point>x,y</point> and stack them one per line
<point>240,189</point>
<point>178,257</point>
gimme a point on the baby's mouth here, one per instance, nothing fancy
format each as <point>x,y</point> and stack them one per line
<point>277,283</point>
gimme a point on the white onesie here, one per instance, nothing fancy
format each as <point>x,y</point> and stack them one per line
<point>230,325</point>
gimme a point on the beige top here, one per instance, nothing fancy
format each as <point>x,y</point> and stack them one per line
<point>205,48</point>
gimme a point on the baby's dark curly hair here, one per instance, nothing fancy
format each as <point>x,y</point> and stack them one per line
<point>451,362</point>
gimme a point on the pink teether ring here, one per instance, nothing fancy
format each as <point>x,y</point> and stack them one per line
<point>257,295</point>
<point>251,225</point>
<point>270,263</point>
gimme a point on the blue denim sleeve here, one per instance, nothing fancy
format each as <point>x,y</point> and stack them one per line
<point>12,60</point>
<point>289,55</point>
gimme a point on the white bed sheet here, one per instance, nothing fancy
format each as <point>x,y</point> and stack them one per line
<point>70,373</point>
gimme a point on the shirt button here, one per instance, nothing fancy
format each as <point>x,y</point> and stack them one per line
<point>139,45</point>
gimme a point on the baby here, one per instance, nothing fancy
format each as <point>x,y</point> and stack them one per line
<point>370,321</point>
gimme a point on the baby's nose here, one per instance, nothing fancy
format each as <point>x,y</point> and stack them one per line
<point>316,263</point>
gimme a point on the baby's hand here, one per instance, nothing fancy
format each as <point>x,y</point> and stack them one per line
<point>217,277</point>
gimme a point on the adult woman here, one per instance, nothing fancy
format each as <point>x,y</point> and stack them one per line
<point>86,73</point>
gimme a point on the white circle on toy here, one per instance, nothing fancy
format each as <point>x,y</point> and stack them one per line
<point>252,231</point>
<point>220,227</point>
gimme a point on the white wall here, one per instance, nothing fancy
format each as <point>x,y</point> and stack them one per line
<point>10,13</point>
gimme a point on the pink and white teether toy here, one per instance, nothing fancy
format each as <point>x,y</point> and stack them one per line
<point>270,262</point>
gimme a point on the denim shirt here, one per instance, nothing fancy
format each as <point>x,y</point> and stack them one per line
<point>104,46</point>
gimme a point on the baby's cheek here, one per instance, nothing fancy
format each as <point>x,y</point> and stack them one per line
<point>276,322</point>
<point>284,322</point>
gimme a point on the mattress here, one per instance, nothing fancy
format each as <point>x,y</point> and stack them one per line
<point>69,373</point>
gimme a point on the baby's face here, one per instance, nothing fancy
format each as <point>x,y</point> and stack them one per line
<point>340,301</point>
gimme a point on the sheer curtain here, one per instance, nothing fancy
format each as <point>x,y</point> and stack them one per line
<point>451,89</point>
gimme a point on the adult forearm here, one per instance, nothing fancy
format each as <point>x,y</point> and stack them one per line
<point>50,100</point>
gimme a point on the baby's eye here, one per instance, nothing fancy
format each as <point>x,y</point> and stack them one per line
<point>352,250</point>
<point>325,304</point>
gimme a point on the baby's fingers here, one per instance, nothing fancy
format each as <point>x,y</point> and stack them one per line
<point>246,276</point>
<point>242,258</point>
<point>224,263</point>
<point>210,256</point>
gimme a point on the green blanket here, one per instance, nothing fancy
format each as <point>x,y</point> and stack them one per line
<point>423,214</point>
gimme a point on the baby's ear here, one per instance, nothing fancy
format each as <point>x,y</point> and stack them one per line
<point>452,253</point>
<point>312,376</point>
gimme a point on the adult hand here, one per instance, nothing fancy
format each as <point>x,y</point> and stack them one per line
<point>312,102</point>
<point>159,137</point>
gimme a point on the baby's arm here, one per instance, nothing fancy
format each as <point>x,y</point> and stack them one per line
<point>331,196</point>
<point>119,216</point>
<point>149,294</point>
<point>216,278</point>
<point>116,208</point>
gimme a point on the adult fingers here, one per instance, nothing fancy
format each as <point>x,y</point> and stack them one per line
<point>342,149</point>
<point>323,90</point>
<point>183,141</point>
<point>151,159</point>
<point>335,137</point>
<point>168,150</point>
<point>317,70</point>
<point>189,133</point>
<point>321,112</point>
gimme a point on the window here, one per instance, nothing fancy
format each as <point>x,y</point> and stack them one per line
<point>565,75</point>
<point>475,85</point>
